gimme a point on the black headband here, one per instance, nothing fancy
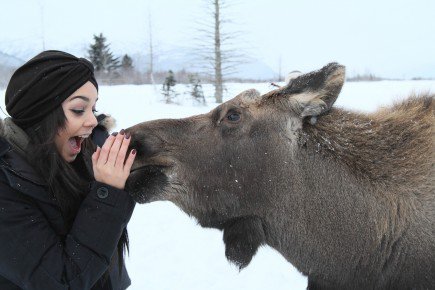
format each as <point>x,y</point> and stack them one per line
<point>43,83</point>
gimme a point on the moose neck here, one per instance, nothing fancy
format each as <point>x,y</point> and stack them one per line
<point>349,181</point>
<point>329,216</point>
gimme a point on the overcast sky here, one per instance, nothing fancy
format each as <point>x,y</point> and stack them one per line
<point>390,38</point>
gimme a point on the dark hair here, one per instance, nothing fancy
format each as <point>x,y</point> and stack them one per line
<point>68,183</point>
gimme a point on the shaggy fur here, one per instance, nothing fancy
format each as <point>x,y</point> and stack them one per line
<point>391,147</point>
<point>347,198</point>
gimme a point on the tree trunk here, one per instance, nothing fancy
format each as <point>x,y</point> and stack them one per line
<point>151,67</point>
<point>218,57</point>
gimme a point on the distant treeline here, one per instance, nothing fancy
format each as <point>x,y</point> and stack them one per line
<point>364,78</point>
<point>374,78</point>
<point>133,76</point>
<point>116,70</point>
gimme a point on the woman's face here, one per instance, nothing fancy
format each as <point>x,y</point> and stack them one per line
<point>80,121</point>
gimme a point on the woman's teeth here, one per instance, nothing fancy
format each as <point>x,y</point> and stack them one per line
<point>76,142</point>
<point>83,136</point>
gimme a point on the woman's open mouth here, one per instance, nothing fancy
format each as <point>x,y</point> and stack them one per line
<point>76,143</point>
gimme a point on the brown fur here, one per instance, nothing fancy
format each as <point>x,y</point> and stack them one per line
<point>347,198</point>
<point>390,146</point>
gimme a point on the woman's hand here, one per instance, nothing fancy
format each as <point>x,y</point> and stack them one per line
<point>109,163</point>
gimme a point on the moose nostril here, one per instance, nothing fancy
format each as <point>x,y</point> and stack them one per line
<point>146,144</point>
<point>142,150</point>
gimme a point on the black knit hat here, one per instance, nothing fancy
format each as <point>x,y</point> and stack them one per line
<point>43,83</point>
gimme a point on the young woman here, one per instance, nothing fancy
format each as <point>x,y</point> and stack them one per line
<point>63,210</point>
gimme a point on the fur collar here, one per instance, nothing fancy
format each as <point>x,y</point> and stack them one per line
<point>14,135</point>
<point>106,121</point>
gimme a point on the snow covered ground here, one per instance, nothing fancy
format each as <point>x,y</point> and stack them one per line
<point>168,250</point>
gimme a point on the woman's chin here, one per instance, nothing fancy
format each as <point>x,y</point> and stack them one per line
<point>69,157</point>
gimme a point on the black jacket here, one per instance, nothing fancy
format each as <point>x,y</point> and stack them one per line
<point>36,250</point>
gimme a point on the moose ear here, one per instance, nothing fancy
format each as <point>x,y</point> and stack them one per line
<point>242,238</point>
<point>314,93</point>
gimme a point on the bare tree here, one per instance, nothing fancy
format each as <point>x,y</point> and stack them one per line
<point>151,52</point>
<point>218,52</point>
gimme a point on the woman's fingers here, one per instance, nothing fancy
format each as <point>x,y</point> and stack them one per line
<point>105,150</point>
<point>129,161</point>
<point>120,159</point>
<point>114,150</point>
<point>96,155</point>
<point>109,162</point>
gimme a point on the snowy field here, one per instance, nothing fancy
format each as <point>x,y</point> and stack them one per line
<point>168,250</point>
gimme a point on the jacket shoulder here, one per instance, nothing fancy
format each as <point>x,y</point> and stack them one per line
<point>17,175</point>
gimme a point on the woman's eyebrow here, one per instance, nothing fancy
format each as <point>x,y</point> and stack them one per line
<point>86,99</point>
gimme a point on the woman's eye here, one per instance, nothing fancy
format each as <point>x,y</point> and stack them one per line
<point>78,111</point>
<point>233,117</point>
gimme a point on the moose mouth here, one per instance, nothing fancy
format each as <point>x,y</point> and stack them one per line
<point>145,183</point>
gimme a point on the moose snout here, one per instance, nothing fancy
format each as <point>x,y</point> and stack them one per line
<point>147,144</point>
<point>147,176</point>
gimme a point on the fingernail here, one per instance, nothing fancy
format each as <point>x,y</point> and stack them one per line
<point>122,132</point>
<point>127,135</point>
<point>114,133</point>
<point>133,151</point>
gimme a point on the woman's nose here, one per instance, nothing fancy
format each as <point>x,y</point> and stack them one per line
<point>91,121</point>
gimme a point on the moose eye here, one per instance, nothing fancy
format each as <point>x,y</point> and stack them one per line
<point>233,117</point>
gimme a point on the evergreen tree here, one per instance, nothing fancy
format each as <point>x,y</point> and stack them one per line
<point>127,62</point>
<point>167,89</point>
<point>101,56</point>
<point>95,52</point>
<point>196,88</point>
<point>170,79</point>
